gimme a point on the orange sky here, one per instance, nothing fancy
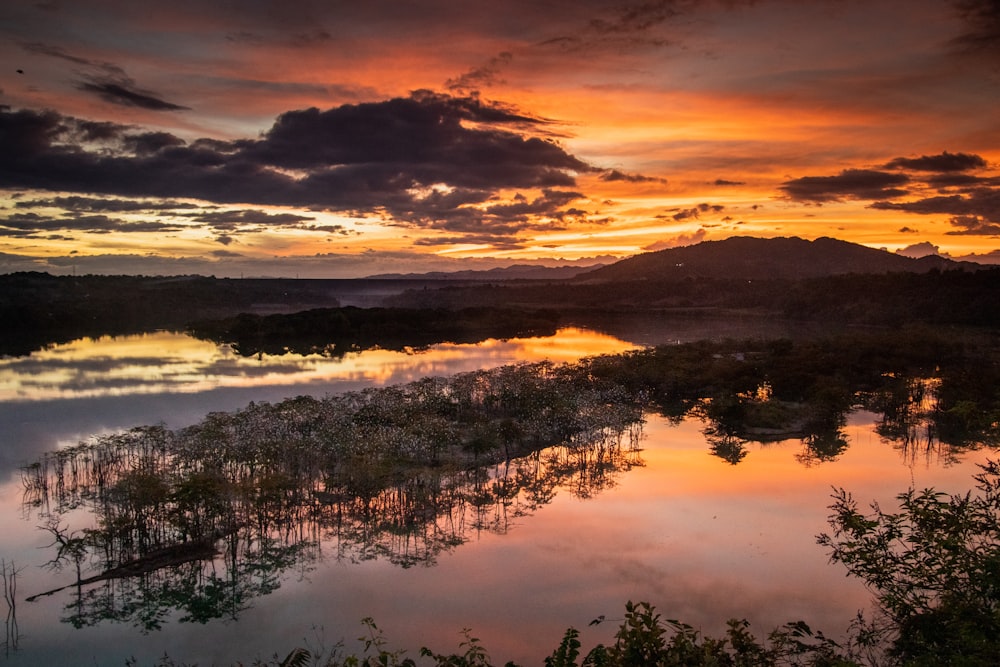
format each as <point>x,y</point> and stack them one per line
<point>177,137</point>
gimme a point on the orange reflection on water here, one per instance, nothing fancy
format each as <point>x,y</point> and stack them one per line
<point>169,362</point>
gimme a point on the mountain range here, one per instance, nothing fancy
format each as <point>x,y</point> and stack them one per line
<point>751,258</point>
<point>740,257</point>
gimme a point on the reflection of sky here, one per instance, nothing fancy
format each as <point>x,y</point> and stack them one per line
<point>166,362</point>
<point>700,539</point>
<point>66,393</point>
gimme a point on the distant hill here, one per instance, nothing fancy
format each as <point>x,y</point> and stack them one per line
<point>513,272</point>
<point>750,258</point>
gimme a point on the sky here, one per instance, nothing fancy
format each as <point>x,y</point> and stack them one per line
<point>334,139</point>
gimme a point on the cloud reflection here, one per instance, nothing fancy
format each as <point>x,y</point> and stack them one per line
<point>168,362</point>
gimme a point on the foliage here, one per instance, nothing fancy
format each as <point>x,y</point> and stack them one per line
<point>934,567</point>
<point>644,639</point>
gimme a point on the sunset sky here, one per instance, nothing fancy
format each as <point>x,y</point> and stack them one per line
<point>334,139</point>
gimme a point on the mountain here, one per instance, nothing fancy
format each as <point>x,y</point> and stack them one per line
<point>513,272</point>
<point>751,258</point>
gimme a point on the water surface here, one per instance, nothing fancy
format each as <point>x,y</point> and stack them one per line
<point>701,539</point>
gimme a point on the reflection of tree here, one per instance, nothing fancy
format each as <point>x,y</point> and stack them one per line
<point>194,524</point>
<point>12,635</point>
<point>822,447</point>
<point>333,332</point>
<point>727,446</point>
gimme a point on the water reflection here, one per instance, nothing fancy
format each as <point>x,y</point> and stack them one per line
<point>175,534</point>
<point>169,362</point>
<point>701,538</point>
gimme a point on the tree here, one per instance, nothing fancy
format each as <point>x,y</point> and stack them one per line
<point>934,567</point>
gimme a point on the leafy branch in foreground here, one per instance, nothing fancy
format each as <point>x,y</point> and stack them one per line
<point>643,639</point>
<point>934,567</point>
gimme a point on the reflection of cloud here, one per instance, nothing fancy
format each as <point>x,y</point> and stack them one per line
<point>167,362</point>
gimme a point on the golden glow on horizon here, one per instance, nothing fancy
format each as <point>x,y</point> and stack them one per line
<point>722,106</point>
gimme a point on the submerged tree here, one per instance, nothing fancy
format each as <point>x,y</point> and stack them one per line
<point>202,520</point>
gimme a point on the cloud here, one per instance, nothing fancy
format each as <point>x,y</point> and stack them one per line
<point>678,241</point>
<point>696,211</point>
<point>945,162</point>
<point>612,175</point>
<point>78,203</point>
<point>849,184</point>
<point>636,17</point>
<point>973,225</point>
<point>32,224</point>
<point>992,257</point>
<point>126,95</point>
<point>151,142</point>
<point>231,220</point>
<point>982,18</point>
<point>981,203</point>
<point>427,160</point>
<point>724,182</point>
<point>106,80</point>
<point>918,250</point>
<point>481,77</point>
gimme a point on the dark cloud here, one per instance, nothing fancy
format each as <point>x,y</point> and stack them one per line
<point>945,162</point>
<point>615,175</point>
<point>77,203</point>
<point>31,224</point>
<point>637,17</point>
<point>980,203</point>
<point>957,180</point>
<point>696,211</point>
<point>484,239</point>
<point>424,160</point>
<point>973,225</point>
<point>849,184</point>
<point>330,229</point>
<point>151,142</point>
<point>982,18</point>
<point>89,130</point>
<point>125,95</point>
<point>481,77</point>
<point>724,182</point>
<point>231,220</point>
<point>106,80</point>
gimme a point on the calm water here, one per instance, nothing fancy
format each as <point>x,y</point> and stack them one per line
<point>699,538</point>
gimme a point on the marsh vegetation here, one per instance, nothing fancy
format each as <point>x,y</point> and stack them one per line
<point>195,524</point>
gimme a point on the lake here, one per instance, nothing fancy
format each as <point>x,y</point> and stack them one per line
<point>666,521</point>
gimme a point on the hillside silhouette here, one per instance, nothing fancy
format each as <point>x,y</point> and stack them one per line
<point>752,258</point>
<point>825,280</point>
